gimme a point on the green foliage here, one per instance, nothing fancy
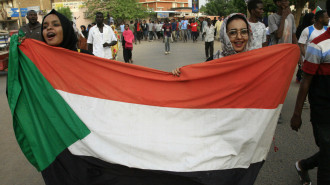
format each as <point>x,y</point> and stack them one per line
<point>221,7</point>
<point>241,6</point>
<point>66,12</point>
<point>269,6</point>
<point>118,9</point>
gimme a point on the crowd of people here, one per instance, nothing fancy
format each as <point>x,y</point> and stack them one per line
<point>167,30</point>
<point>236,34</point>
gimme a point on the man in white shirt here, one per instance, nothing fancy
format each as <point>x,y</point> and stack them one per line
<point>208,31</point>
<point>256,9</point>
<point>100,38</point>
<point>313,31</point>
<point>122,27</point>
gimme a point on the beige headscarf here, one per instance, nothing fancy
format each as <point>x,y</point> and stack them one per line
<point>227,48</point>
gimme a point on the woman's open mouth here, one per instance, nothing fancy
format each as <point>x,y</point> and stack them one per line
<point>238,44</point>
<point>51,36</point>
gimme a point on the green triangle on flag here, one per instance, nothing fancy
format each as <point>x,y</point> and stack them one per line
<point>316,9</point>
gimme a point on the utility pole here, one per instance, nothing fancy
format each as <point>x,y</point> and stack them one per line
<point>19,14</point>
<point>41,5</point>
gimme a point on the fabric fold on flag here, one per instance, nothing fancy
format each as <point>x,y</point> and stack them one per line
<point>217,116</point>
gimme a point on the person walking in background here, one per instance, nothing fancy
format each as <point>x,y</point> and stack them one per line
<point>150,27</point>
<point>89,27</point>
<point>204,23</point>
<point>184,27</point>
<point>208,32</point>
<point>115,48</point>
<point>159,26</point>
<point>82,38</point>
<point>137,31</point>
<point>132,27</point>
<point>217,28</point>
<point>189,29</point>
<point>32,30</point>
<point>127,42</point>
<point>282,27</point>
<point>174,27</point>
<point>178,30</point>
<point>145,29</point>
<point>214,21</point>
<point>100,38</point>
<point>167,35</point>
<point>307,20</point>
<point>256,9</point>
<point>122,27</point>
<point>84,31</point>
<point>194,30</point>
<point>152,33</point>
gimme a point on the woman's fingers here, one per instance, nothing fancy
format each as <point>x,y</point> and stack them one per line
<point>21,39</point>
<point>176,72</point>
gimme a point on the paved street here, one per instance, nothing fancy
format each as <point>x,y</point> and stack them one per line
<point>277,170</point>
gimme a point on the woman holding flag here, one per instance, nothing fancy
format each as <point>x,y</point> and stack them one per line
<point>236,37</point>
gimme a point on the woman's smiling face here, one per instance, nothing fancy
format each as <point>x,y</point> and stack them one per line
<point>52,30</point>
<point>238,34</point>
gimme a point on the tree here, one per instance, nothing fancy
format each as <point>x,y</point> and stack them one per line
<point>66,12</point>
<point>220,7</point>
<point>118,9</point>
<point>299,5</point>
<point>241,6</point>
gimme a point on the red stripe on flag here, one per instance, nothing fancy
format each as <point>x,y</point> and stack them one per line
<point>254,79</point>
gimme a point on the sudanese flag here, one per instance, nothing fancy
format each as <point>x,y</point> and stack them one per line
<point>81,119</point>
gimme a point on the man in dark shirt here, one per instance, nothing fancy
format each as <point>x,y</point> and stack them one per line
<point>33,28</point>
<point>174,24</point>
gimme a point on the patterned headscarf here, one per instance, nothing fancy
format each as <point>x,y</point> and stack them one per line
<point>227,48</point>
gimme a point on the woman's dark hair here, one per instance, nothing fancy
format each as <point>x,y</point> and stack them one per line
<point>306,21</point>
<point>83,26</point>
<point>69,37</point>
<point>237,16</point>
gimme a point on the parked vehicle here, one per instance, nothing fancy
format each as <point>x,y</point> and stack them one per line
<point>4,53</point>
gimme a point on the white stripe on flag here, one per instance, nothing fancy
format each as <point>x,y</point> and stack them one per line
<point>172,139</point>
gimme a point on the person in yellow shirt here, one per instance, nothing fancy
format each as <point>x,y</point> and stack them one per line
<point>115,48</point>
<point>217,28</point>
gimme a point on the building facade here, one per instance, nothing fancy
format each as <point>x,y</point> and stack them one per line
<point>163,5</point>
<point>9,22</point>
